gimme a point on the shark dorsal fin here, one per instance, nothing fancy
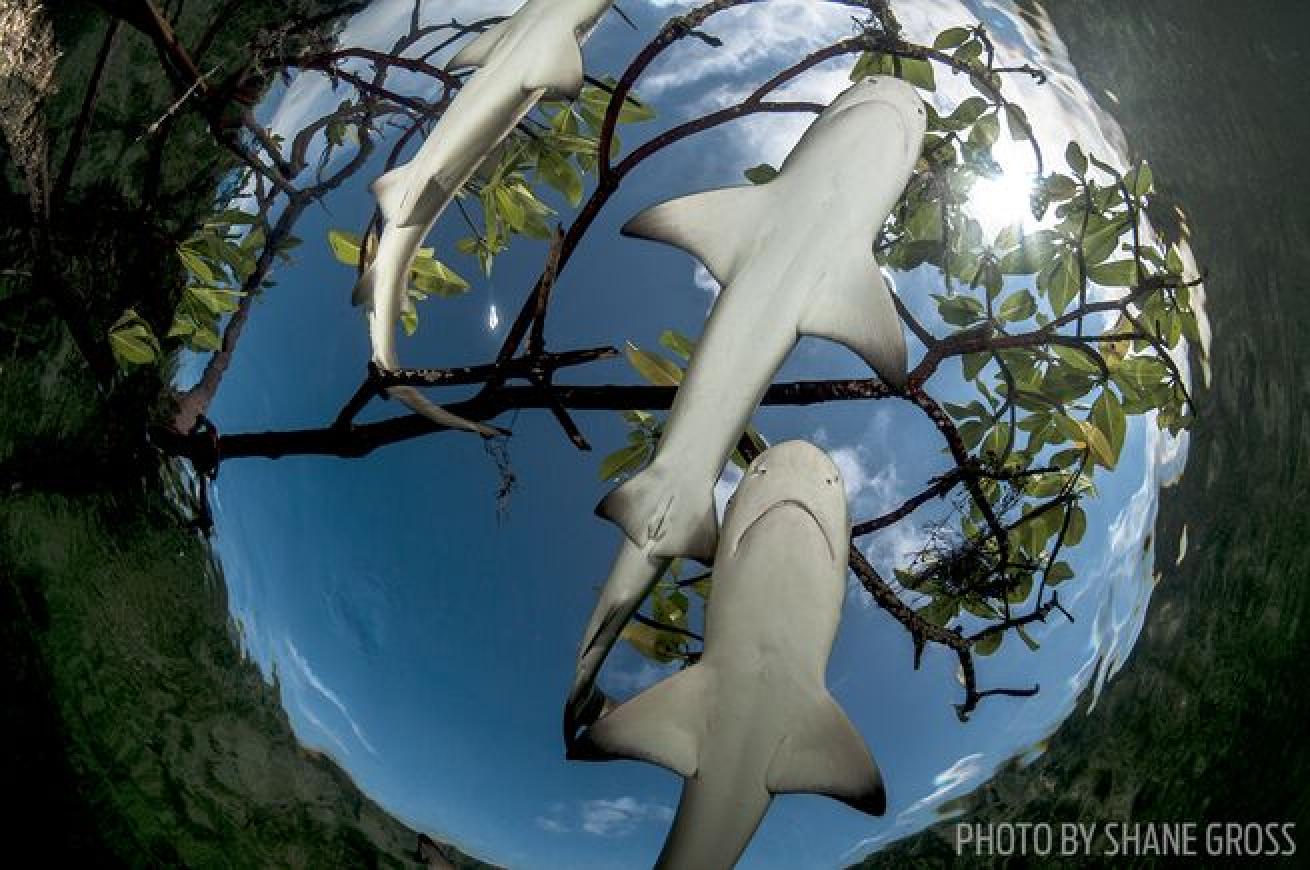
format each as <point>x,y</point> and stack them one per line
<point>854,307</point>
<point>824,754</point>
<point>558,70</point>
<point>663,725</point>
<point>717,227</point>
<point>479,50</point>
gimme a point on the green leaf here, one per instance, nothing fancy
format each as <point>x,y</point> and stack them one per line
<point>1034,253</point>
<point>1059,573</point>
<point>1108,416</point>
<point>1140,180</point>
<point>1077,161</point>
<point>989,644</point>
<point>1027,638</point>
<point>623,461</point>
<point>1059,283</point>
<point>924,222</point>
<point>917,72</point>
<point>678,343</point>
<point>761,174</point>
<point>1017,120</point>
<point>986,130</point>
<point>132,341</point>
<point>973,363</point>
<point>345,246</point>
<point>1103,237</point>
<point>561,174</point>
<point>960,310</point>
<point>951,37</point>
<point>969,110</point>
<point>433,277</point>
<point>1116,273</point>
<point>1141,372</point>
<point>654,368</point>
<point>1059,187</point>
<point>1018,307</point>
<point>1073,535</point>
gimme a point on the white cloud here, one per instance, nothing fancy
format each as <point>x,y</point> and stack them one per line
<point>304,675</point>
<point>604,817</point>
<point>620,817</point>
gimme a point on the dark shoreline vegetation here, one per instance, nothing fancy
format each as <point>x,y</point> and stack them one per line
<point>135,732</point>
<point>1206,720</point>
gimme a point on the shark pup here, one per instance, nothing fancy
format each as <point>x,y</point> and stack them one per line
<point>534,52</point>
<point>753,718</point>
<point>794,257</point>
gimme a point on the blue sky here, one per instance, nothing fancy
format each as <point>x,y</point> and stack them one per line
<point>427,644</point>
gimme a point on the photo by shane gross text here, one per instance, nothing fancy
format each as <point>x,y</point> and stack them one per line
<point>753,718</point>
<point>794,257</point>
<point>534,53</point>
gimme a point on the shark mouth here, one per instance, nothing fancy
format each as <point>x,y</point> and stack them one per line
<point>777,505</point>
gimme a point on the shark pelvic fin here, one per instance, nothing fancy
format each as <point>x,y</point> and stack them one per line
<point>663,725</point>
<point>854,307</point>
<point>364,288</point>
<point>824,754</point>
<point>479,50</point>
<point>558,71</point>
<point>650,509</point>
<point>714,226</point>
<point>402,204</point>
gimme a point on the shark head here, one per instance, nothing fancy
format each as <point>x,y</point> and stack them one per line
<point>794,474</point>
<point>886,93</point>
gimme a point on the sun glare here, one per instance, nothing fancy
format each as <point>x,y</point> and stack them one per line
<point>998,202</point>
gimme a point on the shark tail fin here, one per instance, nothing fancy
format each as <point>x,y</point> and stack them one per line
<point>412,399</point>
<point>824,754</point>
<point>477,51</point>
<point>663,725</point>
<point>715,226</point>
<point>650,508</point>
<point>855,308</point>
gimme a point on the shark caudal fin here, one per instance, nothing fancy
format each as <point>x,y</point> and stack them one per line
<point>664,725</point>
<point>412,399</point>
<point>854,307</point>
<point>652,509</point>
<point>478,51</point>
<point>715,226</point>
<point>824,754</point>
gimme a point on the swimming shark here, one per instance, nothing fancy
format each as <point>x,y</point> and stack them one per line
<point>794,257</point>
<point>533,53</point>
<point>753,718</point>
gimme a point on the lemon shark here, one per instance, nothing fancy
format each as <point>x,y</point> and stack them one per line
<point>534,52</point>
<point>753,718</point>
<point>794,257</point>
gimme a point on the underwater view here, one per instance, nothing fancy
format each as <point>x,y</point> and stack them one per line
<point>575,434</point>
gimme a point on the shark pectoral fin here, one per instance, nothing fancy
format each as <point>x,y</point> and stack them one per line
<point>824,754</point>
<point>854,307</point>
<point>663,725</point>
<point>479,50</point>
<point>716,226</point>
<point>558,70</point>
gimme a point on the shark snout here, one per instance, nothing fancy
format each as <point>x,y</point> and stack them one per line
<point>796,475</point>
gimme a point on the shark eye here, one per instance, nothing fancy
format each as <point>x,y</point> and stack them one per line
<point>759,471</point>
<point>831,481</point>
